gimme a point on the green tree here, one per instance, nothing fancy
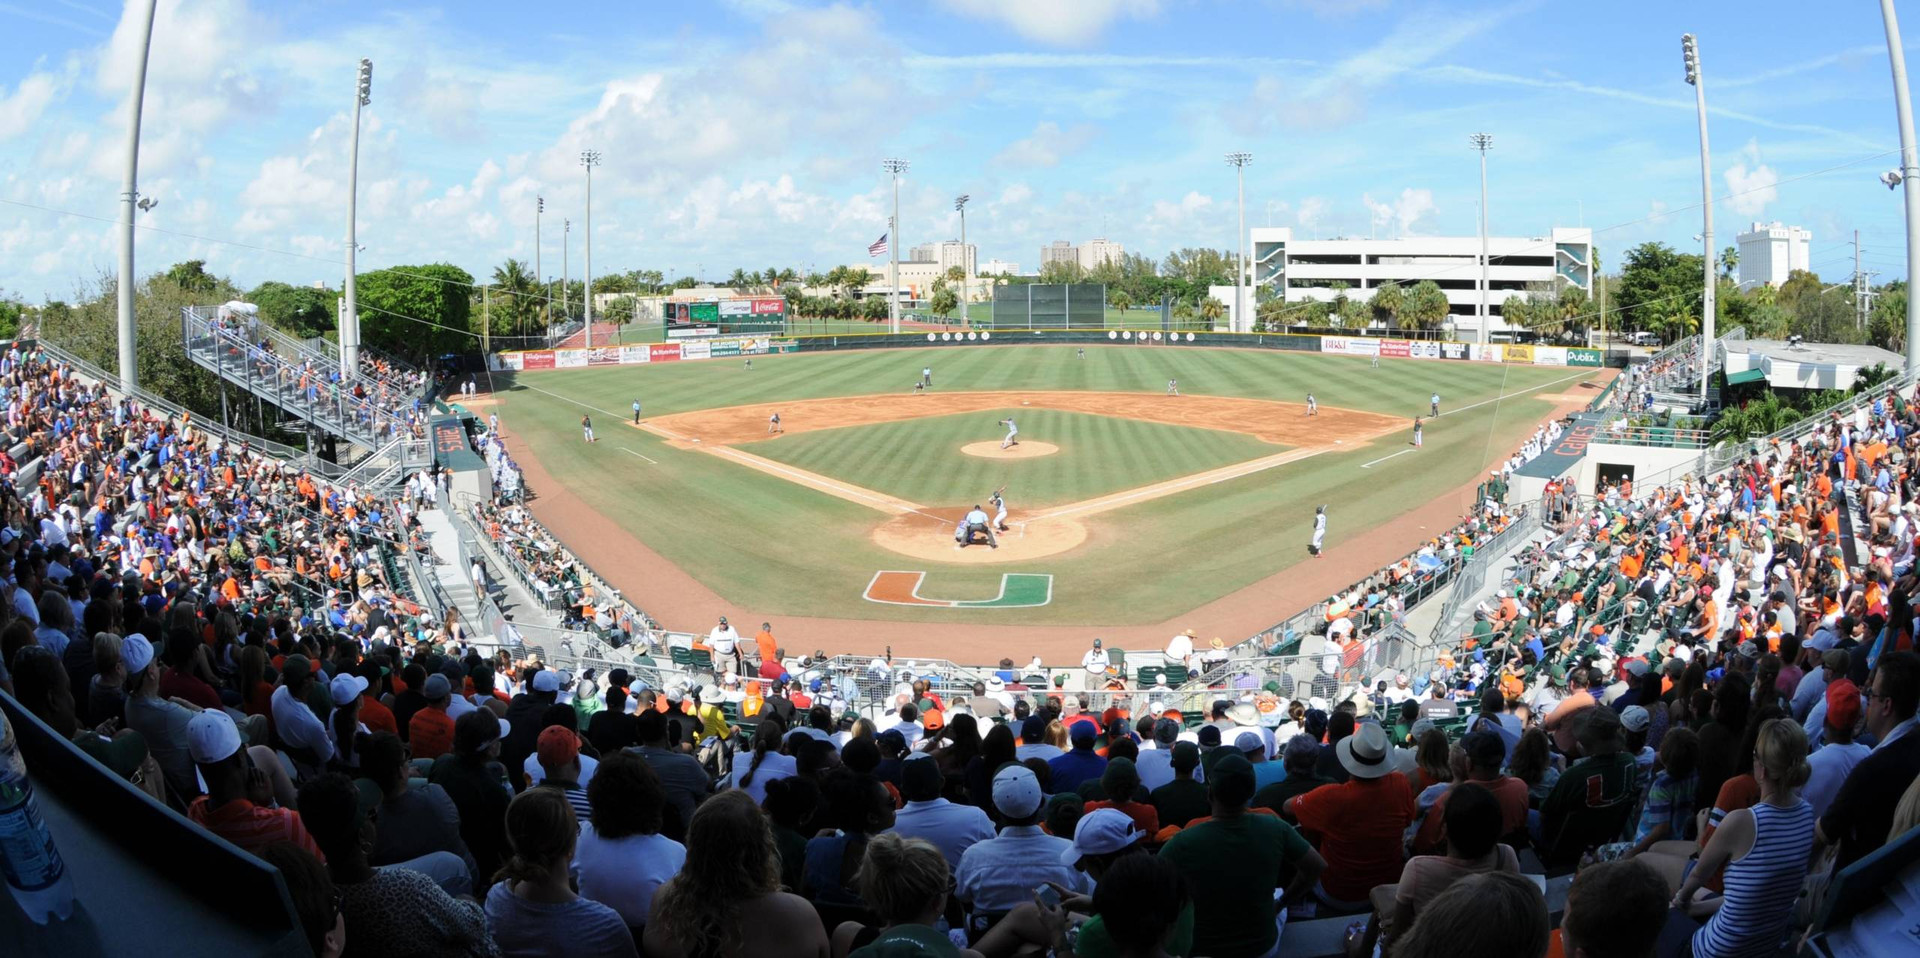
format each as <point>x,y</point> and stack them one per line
<point>1212,311</point>
<point>418,312</point>
<point>1729,260</point>
<point>301,310</point>
<point>90,330</point>
<point>1515,311</point>
<point>944,298</point>
<point>1060,271</point>
<point>1120,300</point>
<point>12,310</point>
<point>1200,267</point>
<point>1426,306</point>
<point>192,276</point>
<point>1654,283</point>
<point>1388,301</point>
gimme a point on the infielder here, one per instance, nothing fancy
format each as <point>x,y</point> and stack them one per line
<point>1319,531</point>
<point>586,428</point>
<point>999,504</point>
<point>1313,406</point>
<point>773,424</point>
<point>1433,405</point>
<point>1173,387</point>
<point>1416,431</point>
<point>1013,432</point>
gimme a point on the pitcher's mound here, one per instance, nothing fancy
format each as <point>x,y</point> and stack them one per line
<point>931,538</point>
<point>1025,450</point>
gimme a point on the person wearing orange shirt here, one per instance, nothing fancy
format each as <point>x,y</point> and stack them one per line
<point>764,642</point>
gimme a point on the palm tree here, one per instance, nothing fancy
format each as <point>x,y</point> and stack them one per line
<point>513,294</point>
<point>1388,301</point>
<point>1212,310</point>
<point>1120,300</point>
<point>1729,258</point>
<point>1426,306</point>
<point>739,279</point>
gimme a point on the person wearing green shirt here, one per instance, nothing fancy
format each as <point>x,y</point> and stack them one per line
<point>1234,861</point>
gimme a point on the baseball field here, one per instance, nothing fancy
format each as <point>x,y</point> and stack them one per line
<point>1131,513</point>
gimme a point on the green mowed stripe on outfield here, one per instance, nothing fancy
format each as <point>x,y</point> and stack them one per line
<point>770,545</point>
<point>920,459</point>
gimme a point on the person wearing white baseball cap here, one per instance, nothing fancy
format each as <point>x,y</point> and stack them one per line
<point>163,721</point>
<point>1000,874</point>
<point>343,724</point>
<point>238,804</point>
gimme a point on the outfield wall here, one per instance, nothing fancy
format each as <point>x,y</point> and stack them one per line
<point>733,347</point>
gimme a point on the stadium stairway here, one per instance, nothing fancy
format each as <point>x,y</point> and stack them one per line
<point>453,545</point>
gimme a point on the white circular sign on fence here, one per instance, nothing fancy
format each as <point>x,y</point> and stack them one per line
<point>1156,336</point>
<point>987,335</point>
<point>945,336</point>
<point>1111,334</point>
<point>973,335</point>
<point>1189,337</point>
<point>930,337</point>
<point>1126,334</point>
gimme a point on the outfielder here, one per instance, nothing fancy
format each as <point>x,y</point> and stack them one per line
<point>773,424</point>
<point>1313,407</point>
<point>1013,433</point>
<point>999,505</point>
<point>1319,531</point>
<point>1173,387</point>
<point>586,428</point>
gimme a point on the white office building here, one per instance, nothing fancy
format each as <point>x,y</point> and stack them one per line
<point>946,254</point>
<point>1095,252</point>
<point>1769,252</point>
<point>1000,267</point>
<point>1058,251</point>
<point>1307,269</point>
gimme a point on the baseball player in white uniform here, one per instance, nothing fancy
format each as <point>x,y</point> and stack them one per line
<point>1313,407</point>
<point>999,505</point>
<point>1013,432</point>
<point>1319,531</point>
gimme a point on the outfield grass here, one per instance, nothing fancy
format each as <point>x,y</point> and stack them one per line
<point>760,540</point>
<point>920,460</point>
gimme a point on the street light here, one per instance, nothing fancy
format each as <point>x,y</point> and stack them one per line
<point>1239,160</point>
<point>895,167</point>
<point>1484,142</point>
<point>1909,169</point>
<point>589,159</point>
<point>960,204</point>
<point>1690,55</point>
<point>129,197</point>
<point>350,313</point>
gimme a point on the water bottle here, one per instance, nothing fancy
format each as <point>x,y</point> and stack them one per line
<point>35,873</point>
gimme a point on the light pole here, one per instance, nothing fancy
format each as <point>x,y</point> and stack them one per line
<point>1690,52</point>
<point>129,196</point>
<point>350,313</point>
<point>589,159</point>
<point>539,207</point>
<point>1484,142</point>
<point>894,167</point>
<point>1239,324</point>
<point>960,204</point>
<point>1909,168</point>
<point>566,275</point>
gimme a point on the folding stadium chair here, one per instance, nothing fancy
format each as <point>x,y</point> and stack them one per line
<point>1176,674</point>
<point>681,656</point>
<point>700,659</point>
<point>1148,674</point>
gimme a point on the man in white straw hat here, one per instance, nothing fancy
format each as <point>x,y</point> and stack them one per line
<point>1360,820</point>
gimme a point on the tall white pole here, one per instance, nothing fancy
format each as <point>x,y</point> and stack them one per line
<point>894,167</point>
<point>1909,168</point>
<point>1484,142</point>
<point>539,207</point>
<point>1690,48</point>
<point>566,272</point>
<point>1239,323</point>
<point>966,265</point>
<point>588,158</point>
<point>129,195</point>
<point>350,314</point>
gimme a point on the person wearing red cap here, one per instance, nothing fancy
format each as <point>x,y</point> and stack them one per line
<point>558,749</point>
<point>1832,761</point>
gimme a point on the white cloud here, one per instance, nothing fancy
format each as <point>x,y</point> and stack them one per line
<point>19,109</point>
<point>1401,215</point>
<point>1313,212</point>
<point>1058,22</point>
<point>1751,189</point>
<point>1046,146</point>
<point>1190,209</point>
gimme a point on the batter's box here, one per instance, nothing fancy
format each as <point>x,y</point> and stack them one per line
<point>1018,590</point>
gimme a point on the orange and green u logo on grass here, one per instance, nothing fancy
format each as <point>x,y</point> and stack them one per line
<point>1018,590</point>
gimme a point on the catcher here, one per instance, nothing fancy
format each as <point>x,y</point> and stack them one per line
<point>974,523</point>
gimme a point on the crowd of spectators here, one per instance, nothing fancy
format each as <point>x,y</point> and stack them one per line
<point>383,399</point>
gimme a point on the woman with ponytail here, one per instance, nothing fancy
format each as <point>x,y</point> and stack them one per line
<point>533,905</point>
<point>752,775</point>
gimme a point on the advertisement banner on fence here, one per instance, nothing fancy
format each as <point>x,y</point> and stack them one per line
<point>1350,347</point>
<point>1453,350</point>
<point>1308,343</point>
<point>1422,349</point>
<point>663,352</point>
<point>1396,348</point>
<point>723,347</point>
<point>1584,357</point>
<point>1516,353</point>
<point>769,307</point>
<point>569,358</point>
<point>508,361</point>
<point>736,307</point>
<point>604,356</point>
<point>784,346</point>
<point>1549,355</point>
<point>690,332</point>
<point>630,355</point>
<point>539,359</point>
<point>698,350</point>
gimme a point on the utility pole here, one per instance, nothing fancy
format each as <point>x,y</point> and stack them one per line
<point>895,167</point>
<point>966,267</point>
<point>1690,51</point>
<point>1862,288</point>
<point>1909,168</point>
<point>1484,142</point>
<point>350,312</point>
<point>589,159</point>
<point>486,319</point>
<point>539,207</point>
<point>129,198</point>
<point>1239,160</point>
<point>566,277</point>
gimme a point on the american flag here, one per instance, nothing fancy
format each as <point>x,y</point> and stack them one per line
<point>879,247</point>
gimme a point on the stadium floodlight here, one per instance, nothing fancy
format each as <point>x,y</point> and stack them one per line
<point>589,159</point>
<point>1239,160</point>
<point>1892,179</point>
<point>894,166</point>
<point>1909,169</point>
<point>350,310</point>
<point>966,267</point>
<point>1484,142</point>
<point>129,197</point>
<point>1690,54</point>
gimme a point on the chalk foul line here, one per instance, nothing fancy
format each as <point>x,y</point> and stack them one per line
<point>1385,458</point>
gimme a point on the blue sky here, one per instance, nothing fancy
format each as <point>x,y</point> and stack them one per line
<point>749,133</point>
